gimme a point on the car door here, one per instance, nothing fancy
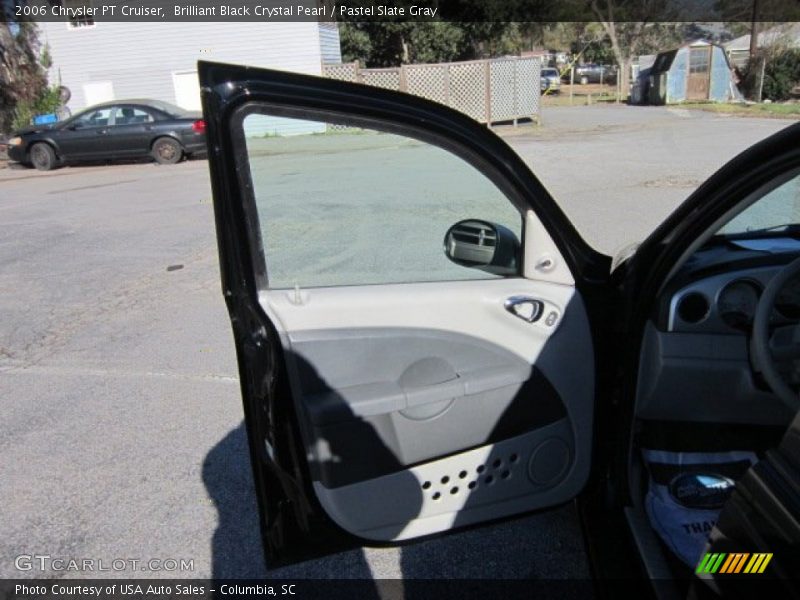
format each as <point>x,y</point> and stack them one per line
<point>762,513</point>
<point>391,392</point>
<point>85,137</point>
<point>132,131</point>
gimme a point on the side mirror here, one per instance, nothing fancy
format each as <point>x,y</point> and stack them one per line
<point>483,245</point>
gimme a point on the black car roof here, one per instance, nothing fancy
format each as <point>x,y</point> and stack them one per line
<point>160,105</point>
<point>144,101</point>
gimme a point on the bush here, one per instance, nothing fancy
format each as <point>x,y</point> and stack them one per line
<point>47,102</point>
<point>781,74</point>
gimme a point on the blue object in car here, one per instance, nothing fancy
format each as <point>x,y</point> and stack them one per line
<point>45,119</point>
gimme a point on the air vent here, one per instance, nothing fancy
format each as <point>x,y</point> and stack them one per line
<point>473,242</point>
<point>693,308</point>
<point>475,233</point>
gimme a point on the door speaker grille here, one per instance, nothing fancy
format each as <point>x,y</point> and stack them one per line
<point>492,473</point>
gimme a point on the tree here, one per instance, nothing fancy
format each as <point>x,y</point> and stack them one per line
<point>774,72</point>
<point>756,15</point>
<point>760,16</point>
<point>391,43</point>
<point>489,39</point>
<point>782,74</point>
<point>23,79</point>
<point>631,30</point>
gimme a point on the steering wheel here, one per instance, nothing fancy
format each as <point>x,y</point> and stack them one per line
<point>782,345</point>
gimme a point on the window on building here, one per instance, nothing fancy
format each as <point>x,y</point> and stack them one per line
<point>699,60</point>
<point>78,12</point>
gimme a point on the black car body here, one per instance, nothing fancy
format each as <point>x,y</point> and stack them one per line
<point>384,412</point>
<point>123,129</point>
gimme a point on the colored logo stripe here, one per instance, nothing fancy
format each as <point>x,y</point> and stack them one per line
<point>734,562</point>
<point>710,563</point>
<point>758,563</point>
<point>701,568</point>
<point>732,558</point>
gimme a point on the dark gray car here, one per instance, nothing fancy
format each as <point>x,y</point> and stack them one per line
<point>123,129</point>
<point>594,73</point>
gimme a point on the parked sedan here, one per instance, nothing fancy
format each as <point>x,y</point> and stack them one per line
<point>592,73</point>
<point>124,129</point>
<point>550,80</point>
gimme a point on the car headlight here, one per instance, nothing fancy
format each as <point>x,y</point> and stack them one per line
<point>15,141</point>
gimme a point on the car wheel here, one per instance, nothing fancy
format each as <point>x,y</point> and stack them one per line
<point>167,151</point>
<point>42,156</point>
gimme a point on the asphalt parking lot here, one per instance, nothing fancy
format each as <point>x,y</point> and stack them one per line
<point>121,434</point>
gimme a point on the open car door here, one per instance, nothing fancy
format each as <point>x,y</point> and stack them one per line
<point>408,366</point>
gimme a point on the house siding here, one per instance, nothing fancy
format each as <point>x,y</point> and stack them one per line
<point>330,46</point>
<point>141,58</point>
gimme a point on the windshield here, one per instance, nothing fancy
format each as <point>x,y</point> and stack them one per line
<point>777,212</point>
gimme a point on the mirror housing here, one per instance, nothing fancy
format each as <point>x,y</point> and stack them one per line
<point>483,245</point>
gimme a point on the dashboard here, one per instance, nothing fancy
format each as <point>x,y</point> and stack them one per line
<point>721,297</point>
<point>727,303</point>
<point>695,363</point>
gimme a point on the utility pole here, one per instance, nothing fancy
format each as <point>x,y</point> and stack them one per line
<point>754,30</point>
<point>755,54</point>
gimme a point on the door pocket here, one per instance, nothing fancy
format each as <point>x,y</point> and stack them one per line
<point>378,398</point>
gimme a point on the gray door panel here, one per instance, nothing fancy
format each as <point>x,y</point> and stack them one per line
<point>375,371</point>
<point>407,396</point>
<point>526,472</point>
<point>423,403</point>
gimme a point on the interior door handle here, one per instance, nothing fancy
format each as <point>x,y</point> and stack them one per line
<point>526,308</point>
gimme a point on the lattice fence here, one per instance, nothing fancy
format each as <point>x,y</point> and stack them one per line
<point>428,81</point>
<point>345,72</point>
<point>489,91</point>
<point>383,78</point>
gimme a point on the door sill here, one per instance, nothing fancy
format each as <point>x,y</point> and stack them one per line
<point>652,557</point>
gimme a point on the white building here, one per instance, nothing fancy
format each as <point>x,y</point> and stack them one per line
<point>113,61</point>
